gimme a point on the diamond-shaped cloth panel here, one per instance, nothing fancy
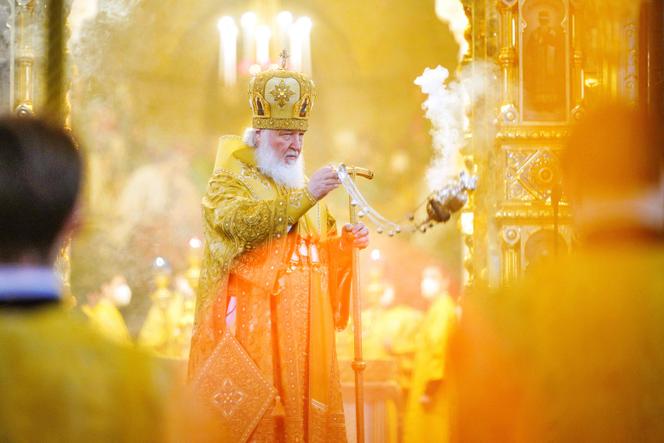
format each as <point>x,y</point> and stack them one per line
<point>233,388</point>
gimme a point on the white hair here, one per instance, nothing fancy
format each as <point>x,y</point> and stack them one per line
<point>270,164</point>
<point>249,137</point>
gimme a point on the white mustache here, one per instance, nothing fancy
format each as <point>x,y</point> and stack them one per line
<point>275,166</point>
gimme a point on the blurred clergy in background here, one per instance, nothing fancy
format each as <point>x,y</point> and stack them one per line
<point>427,408</point>
<point>274,259</point>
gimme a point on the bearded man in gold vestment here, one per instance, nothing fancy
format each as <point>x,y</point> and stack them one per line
<point>273,255</point>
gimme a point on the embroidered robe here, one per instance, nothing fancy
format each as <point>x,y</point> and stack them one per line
<point>273,256</point>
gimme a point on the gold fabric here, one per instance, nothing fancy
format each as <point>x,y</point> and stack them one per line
<point>284,315</point>
<point>573,353</point>
<point>429,422</point>
<point>388,345</point>
<point>61,381</point>
<point>281,99</point>
<point>387,334</point>
<point>233,389</point>
<point>160,331</point>
<point>401,325</point>
<point>107,319</point>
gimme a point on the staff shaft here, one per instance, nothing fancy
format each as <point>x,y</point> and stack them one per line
<point>358,363</point>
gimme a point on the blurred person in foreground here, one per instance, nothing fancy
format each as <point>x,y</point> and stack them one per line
<point>427,408</point>
<point>61,380</point>
<point>574,351</point>
<point>273,257</point>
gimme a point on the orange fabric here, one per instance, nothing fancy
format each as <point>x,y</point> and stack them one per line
<point>340,276</point>
<point>255,230</point>
<point>296,354</point>
<point>570,353</point>
<point>321,353</point>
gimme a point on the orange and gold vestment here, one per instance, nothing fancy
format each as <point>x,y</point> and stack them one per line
<point>273,255</point>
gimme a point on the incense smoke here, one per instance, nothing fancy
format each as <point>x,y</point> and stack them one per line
<point>448,106</point>
<point>452,13</point>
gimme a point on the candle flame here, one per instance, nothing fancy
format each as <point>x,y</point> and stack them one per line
<point>284,19</point>
<point>263,35</point>
<point>248,20</point>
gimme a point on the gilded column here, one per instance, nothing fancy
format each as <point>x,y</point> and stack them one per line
<point>507,58</point>
<point>467,216</point>
<point>511,239</point>
<point>25,58</point>
<point>578,86</point>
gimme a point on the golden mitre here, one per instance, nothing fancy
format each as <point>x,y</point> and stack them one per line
<point>281,99</point>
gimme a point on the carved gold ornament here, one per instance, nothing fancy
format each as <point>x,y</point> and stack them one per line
<point>543,173</point>
<point>282,93</point>
<point>531,173</point>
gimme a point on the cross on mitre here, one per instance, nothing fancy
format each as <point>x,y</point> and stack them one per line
<point>284,58</point>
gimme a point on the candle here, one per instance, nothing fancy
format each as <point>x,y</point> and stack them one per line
<point>514,42</point>
<point>284,22</point>
<point>304,23</point>
<point>227,50</point>
<point>263,35</point>
<point>248,22</point>
<point>295,35</point>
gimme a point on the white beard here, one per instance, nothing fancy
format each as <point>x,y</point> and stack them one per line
<point>289,175</point>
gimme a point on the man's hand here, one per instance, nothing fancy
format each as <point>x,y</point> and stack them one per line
<point>323,181</point>
<point>357,234</point>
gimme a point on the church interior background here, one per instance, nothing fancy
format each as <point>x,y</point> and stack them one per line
<point>150,90</point>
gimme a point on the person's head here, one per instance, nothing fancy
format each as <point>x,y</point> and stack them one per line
<point>281,101</point>
<point>118,291</point>
<point>279,154</point>
<point>613,171</point>
<point>40,178</point>
<point>433,283</point>
<point>388,296</point>
<point>286,144</point>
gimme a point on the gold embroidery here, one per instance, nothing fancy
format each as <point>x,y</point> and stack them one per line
<point>280,123</point>
<point>248,245</point>
<point>282,93</point>
<point>238,393</point>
